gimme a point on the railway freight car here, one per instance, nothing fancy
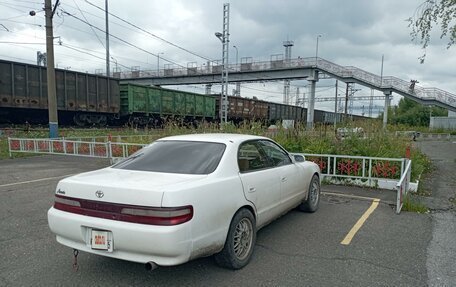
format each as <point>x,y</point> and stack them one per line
<point>241,109</point>
<point>278,112</point>
<point>326,117</point>
<point>153,105</point>
<point>84,99</point>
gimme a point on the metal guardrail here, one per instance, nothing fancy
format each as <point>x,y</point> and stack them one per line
<point>361,168</point>
<point>116,138</point>
<point>367,169</point>
<point>358,167</point>
<point>402,186</point>
<point>111,150</point>
<point>426,136</point>
<point>385,82</point>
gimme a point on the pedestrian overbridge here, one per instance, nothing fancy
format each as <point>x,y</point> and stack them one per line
<point>310,68</point>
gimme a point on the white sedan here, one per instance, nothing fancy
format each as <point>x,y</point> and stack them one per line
<point>184,197</point>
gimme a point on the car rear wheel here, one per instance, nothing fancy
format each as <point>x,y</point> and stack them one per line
<point>240,241</point>
<point>313,198</point>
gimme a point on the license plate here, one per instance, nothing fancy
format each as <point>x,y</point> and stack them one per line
<point>101,240</point>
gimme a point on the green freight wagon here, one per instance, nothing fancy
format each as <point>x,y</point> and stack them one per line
<point>149,102</point>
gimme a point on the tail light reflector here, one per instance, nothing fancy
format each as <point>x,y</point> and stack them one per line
<point>164,216</point>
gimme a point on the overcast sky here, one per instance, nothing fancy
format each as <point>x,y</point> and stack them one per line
<point>353,33</point>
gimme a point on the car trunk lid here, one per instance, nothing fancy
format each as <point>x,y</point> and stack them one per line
<point>123,186</point>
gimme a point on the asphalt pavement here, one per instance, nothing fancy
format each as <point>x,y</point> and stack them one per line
<point>441,184</point>
<point>298,249</point>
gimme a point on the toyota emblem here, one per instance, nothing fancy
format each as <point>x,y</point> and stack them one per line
<point>99,193</point>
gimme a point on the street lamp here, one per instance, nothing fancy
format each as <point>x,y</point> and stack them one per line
<point>238,84</point>
<point>117,65</point>
<point>158,63</point>
<point>237,53</point>
<point>316,50</point>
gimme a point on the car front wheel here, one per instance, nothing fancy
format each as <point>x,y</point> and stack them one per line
<point>313,198</point>
<point>240,241</point>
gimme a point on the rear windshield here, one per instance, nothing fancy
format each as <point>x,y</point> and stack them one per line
<point>185,157</point>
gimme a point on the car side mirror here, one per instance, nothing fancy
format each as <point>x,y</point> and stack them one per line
<point>299,158</point>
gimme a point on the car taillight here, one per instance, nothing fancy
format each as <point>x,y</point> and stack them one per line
<point>159,216</point>
<point>66,204</point>
<point>165,216</point>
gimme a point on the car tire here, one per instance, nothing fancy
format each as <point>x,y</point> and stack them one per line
<point>240,241</point>
<point>313,197</point>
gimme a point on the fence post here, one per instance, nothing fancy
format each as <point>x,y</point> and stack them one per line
<point>9,147</point>
<point>109,151</point>
<point>92,148</point>
<point>403,165</point>
<point>370,172</point>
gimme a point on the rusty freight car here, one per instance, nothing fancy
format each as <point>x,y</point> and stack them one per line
<point>82,98</point>
<point>248,109</point>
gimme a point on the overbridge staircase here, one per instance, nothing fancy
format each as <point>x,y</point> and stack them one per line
<point>388,84</point>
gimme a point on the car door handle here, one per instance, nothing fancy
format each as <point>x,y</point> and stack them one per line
<point>284,179</point>
<point>252,189</point>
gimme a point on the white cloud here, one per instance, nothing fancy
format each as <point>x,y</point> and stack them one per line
<point>354,32</point>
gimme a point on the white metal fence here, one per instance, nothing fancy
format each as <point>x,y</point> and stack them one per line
<point>358,167</point>
<point>402,186</point>
<point>110,150</point>
<point>366,171</point>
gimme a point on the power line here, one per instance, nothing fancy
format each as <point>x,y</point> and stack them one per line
<point>21,43</point>
<point>123,41</point>
<point>75,47</point>
<point>98,57</point>
<point>24,1</point>
<point>12,6</point>
<point>151,34</point>
<point>102,18</point>
<point>96,35</point>
<point>38,25</point>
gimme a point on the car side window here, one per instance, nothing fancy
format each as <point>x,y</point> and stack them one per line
<point>251,157</point>
<point>276,155</point>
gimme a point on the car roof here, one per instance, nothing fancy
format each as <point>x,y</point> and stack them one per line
<point>213,137</point>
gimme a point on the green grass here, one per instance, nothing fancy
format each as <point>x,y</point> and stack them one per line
<point>411,205</point>
<point>321,140</point>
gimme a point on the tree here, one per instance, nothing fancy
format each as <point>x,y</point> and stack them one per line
<point>430,12</point>
<point>411,113</point>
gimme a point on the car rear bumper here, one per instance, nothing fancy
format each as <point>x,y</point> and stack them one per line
<point>164,245</point>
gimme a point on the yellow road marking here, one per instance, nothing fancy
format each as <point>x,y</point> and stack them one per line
<point>348,238</point>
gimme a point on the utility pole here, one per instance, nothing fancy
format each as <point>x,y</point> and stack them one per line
<point>346,101</point>
<point>224,38</point>
<point>286,83</point>
<point>297,96</point>
<point>335,107</point>
<point>108,72</point>
<point>238,84</point>
<point>52,98</point>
